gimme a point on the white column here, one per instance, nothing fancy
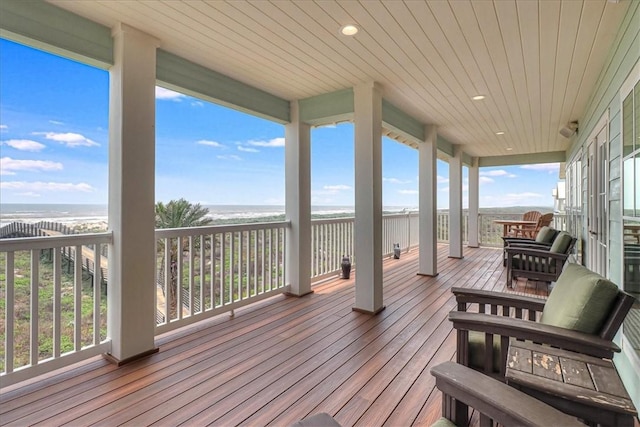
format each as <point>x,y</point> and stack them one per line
<point>427,201</point>
<point>131,296</point>
<point>297,155</point>
<point>474,203</point>
<point>455,204</point>
<point>368,197</point>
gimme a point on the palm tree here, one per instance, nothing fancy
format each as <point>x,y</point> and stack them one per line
<point>177,214</point>
<point>181,213</point>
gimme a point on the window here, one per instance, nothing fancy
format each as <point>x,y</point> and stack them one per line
<point>631,202</point>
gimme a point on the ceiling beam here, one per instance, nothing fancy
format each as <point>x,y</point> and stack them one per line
<point>195,80</point>
<point>46,27</point>
<point>523,159</point>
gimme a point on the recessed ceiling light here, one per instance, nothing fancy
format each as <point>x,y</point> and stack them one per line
<point>349,30</point>
<point>509,148</point>
<point>478,97</point>
<point>500,132</point>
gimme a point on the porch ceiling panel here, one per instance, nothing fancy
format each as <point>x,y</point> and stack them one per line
<point>537,62</point>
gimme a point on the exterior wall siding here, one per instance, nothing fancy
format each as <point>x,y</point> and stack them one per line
<point>605,98</point>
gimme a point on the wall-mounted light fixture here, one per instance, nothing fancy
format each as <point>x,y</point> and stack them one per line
<point>569,129</point>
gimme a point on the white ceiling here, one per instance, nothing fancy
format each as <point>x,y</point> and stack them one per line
<point>536,61</point>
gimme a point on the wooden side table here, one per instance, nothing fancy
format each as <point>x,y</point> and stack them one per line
<point>583,386</point>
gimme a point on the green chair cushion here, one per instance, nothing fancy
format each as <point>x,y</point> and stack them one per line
<point>561,243</point>
<point>476,351</point>
<point>581,300</point>
<point>546,235</point>
<point>443,422</point>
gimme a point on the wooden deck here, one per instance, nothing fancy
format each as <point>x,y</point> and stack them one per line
<point>280,360</point>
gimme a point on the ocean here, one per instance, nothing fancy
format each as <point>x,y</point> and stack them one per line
<point>73,214</point>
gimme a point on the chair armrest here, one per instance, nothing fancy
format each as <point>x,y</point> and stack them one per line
<point>466,295</point>
<point>496,400</point>
<point>530,245</point>
<point>537,332</point>
<point>508,239</point>
<point>535,253</point>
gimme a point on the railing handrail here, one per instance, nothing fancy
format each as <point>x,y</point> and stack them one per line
<point>48,242</point>
<point>216,229</point>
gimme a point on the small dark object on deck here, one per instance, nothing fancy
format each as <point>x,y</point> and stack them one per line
<point>321,419</point>
<point>346,266</point>
<point>396,250</point>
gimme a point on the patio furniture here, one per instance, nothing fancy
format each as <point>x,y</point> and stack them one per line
<point>539,263</point>
<point>582,313</point>
<point>531,216</point>
<point>530,231</point>
<point>494,400</point>
<point>512,224</point>
<point>543,240</point>
<point>583,386</point>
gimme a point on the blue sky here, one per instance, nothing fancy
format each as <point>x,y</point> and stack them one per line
<point>54,148</point>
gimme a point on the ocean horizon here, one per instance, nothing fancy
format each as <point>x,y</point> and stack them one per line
<point>70,214</point>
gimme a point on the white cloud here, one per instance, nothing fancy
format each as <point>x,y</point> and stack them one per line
<point>229,157</point>
<point>55,122</point>
<point>551,167</point>
<point>396,181</point>
<point>168,95</point>
<point>197,104</point>
<point>3,127</point>
<point>29,194</point>
<point>9,166</point>
<point>210,143</point>
<point>339,187</point>
<point>247,149</point>
<point>69,139</point>
<point>275,142</point>
<point>38,186</point>
<point>408,191</point>
<point>497,172</point>
<point>485,180</point>
<point>24,144</point>
<point>442,179</point>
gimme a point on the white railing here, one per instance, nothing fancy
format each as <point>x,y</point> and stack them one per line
<point>490,233</point>
<point>211,270</point>
<point>442,226</point>
<point>53,315</point>
<point>331,239</point>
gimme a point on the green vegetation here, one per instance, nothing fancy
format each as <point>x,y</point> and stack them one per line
<point>22,307</point>
<point>177,214</point>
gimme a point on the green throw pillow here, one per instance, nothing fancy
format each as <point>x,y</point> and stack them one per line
<point>581,300</point>
<point>561,244</point>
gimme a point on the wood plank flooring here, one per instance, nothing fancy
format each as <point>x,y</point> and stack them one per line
<point>280,360</point>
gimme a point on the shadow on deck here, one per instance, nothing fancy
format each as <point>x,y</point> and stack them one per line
<point>281,359</point>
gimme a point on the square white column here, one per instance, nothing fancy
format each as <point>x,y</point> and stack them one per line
<point>474,203</point>
<point>131,296</point>
<point>428,202</point>
<point>297,155</point>
<point>368,197</point>
<point>455,204</point>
